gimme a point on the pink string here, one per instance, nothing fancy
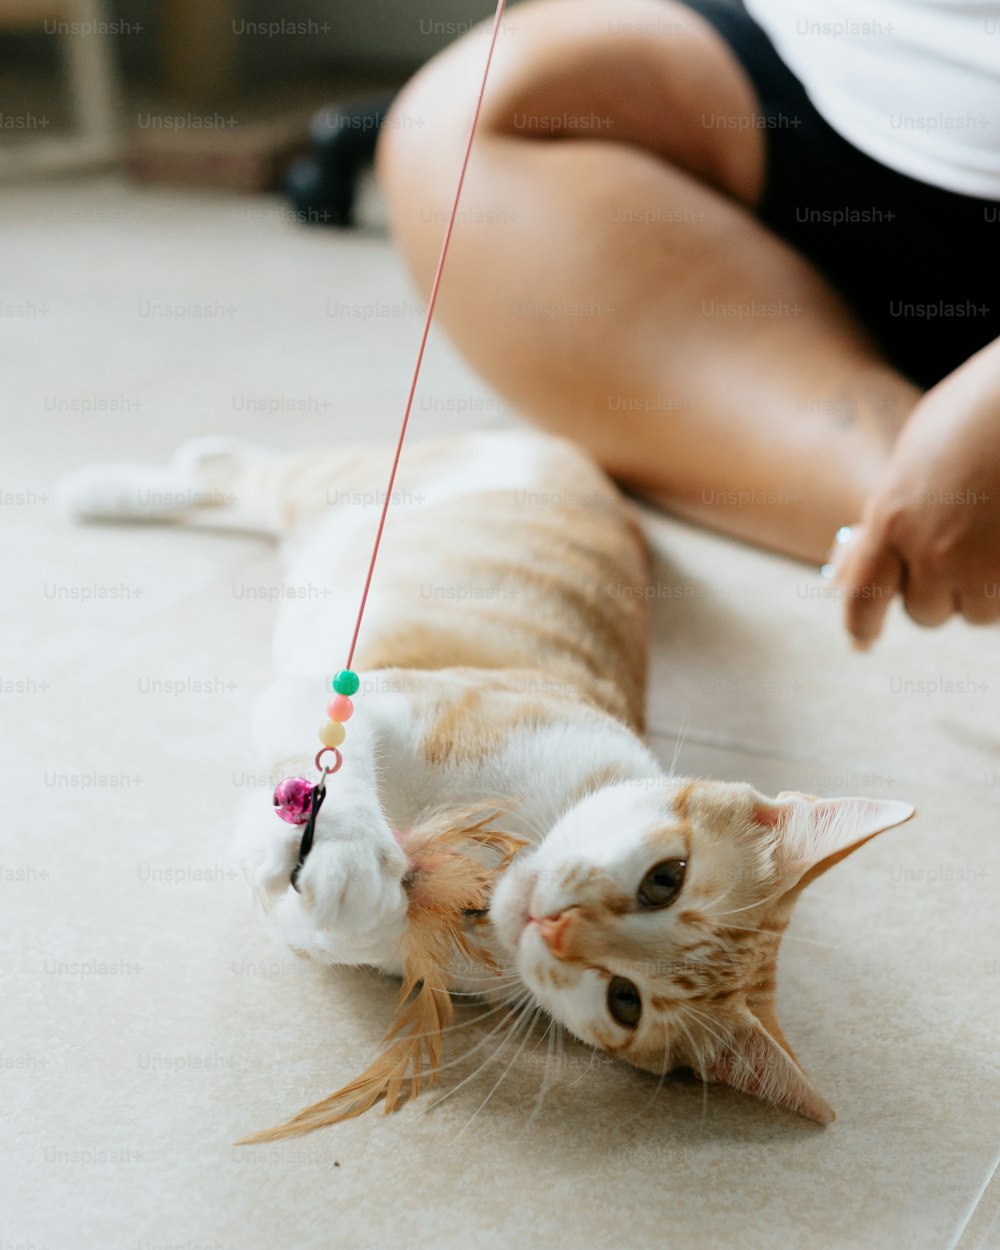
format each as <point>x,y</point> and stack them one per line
<point>431,303</point>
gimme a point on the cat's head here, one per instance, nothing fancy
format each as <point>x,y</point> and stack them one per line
<point>648,922</point>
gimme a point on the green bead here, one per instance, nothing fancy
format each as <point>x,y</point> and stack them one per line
<point>346,682</point>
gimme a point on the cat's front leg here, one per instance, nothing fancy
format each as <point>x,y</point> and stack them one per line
<point>348,904</point>
<point>352,879</point>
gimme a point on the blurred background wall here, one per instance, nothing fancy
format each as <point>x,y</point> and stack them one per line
<point>212,92</point>
<point>388,37</point>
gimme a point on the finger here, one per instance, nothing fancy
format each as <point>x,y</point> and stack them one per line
<point>871,575</point>
<point>929,600</point>
<point>979,604</point>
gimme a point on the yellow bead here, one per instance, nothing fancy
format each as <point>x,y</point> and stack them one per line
<point>332,734</point>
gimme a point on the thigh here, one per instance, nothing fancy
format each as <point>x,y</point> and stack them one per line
<point>651,73</point>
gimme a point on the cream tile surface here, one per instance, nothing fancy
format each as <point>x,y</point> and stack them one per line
<point>148,1021</point>
<point>773,660</point>
<point>983,1229</point>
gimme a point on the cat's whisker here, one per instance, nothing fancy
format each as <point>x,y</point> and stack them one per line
<point>487,993</point>
<point>663,1074</point>
<point>513,1013</point>
<point>511,1031</point>
<point>464,1024</point>
<point>550,1034</point>
<point>594,1052</point>
<point>487,996</point>
<point>500,1079</point>
<point>787,937</point>
<point>707,907</point>
<point>490,982</point>
<point>503,985</point>
<point>725,1045</point>
<point>696,1057</point>
<point>703,1022</point>
<point>741,1059</point>
<point>660,1080</point>
<point>681,735</point>
<point>517,1012</point>
<point>541,1039</point>
<point>491,978</point>
<point>761,902</point>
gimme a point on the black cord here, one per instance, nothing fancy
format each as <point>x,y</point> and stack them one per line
<point>305,846</point>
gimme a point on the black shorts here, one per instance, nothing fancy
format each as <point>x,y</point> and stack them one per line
<point>917,264</point>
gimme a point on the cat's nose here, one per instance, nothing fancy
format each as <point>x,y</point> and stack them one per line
<point>554,930</point>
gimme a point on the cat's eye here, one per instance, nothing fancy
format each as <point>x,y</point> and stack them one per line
<point>661,885</point>
<point>624,1002</point>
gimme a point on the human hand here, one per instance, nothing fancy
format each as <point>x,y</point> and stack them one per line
<point>931,530</point>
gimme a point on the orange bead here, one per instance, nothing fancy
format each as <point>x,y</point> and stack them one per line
<point>340,708</point>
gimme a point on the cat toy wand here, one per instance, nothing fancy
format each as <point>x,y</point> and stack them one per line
<point>297,800</point>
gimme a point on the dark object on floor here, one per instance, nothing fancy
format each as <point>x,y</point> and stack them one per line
<point>323,185</point>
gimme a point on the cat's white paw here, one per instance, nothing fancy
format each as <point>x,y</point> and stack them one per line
<point>353,885</point>
<point>125,492</point>
<point>350,905</point>
<point>200,474</point>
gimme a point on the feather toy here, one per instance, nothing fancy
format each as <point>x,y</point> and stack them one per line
<point>455,859</point>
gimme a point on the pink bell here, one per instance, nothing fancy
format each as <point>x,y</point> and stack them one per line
<point>293,800</point>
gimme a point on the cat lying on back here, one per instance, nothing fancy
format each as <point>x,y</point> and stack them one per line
<point>502,659</point>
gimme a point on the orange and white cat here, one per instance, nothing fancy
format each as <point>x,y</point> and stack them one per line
<point>503,660</point>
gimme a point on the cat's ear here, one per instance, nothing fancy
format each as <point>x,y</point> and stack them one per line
<point>756,1063</point>
<point>811,835</point>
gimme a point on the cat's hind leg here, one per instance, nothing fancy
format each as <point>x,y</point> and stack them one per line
<point>207,481</point>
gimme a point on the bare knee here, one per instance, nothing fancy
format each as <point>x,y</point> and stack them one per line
<point>644,72</point>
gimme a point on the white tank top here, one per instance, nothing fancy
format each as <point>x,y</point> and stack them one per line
<point>915,84</point>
